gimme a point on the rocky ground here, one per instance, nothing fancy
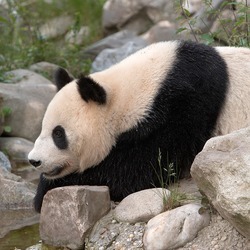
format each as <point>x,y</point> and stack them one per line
<point>219,235</point>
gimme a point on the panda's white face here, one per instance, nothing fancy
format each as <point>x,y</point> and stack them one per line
<point>73,136</point>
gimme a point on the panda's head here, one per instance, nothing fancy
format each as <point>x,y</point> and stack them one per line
<point>74,133</point>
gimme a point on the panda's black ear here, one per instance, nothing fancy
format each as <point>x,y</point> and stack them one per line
<point>62,78</point>
<point>91,90</point>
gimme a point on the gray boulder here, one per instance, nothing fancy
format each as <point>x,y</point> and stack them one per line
<point>116,40</point>
<point>26,77</point>
<point>135,16</point>
<point>15,192</point>
<point>222,172</point>
<point>17,148</point>
<point>69,212</point>
<point>45,68</point>
<point>109,57</point>
<point>28,99</point>
<point>4,161</point>
<point>174,228</point>
<point>141,206</point>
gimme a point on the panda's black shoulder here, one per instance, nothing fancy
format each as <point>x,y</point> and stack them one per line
<point>196,60</point>
<point>199,54</point>
<point>196,49</point>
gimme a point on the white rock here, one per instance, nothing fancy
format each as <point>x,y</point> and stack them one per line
<point>192,5</point>
<point>77,37</point>
<point>162,31</point>
<point>174,228</point>
<point>222,172</point>
<point>141,206</point>
<point>56,27</point>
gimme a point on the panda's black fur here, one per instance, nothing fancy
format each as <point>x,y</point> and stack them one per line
<point>181,120</point>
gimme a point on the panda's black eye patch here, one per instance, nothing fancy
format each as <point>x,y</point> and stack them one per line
<point>59,137</point>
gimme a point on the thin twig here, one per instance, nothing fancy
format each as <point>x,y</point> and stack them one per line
<point>220,20</point>
<point>247,24</point>
<point>187,18</point>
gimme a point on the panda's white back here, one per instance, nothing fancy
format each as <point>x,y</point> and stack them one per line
<point>236,111</point>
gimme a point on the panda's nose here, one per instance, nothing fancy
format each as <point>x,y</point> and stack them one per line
<point>35,163</point>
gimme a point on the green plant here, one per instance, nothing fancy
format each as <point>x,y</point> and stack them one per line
<point>233,31</point>
<point>21,43</point>
<point>5,112</point>
<point>168,177</point>
<point>175,198</point>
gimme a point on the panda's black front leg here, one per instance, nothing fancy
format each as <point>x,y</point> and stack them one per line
<point>44,186</point>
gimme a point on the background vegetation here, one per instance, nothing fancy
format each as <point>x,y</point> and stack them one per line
<point>231,31</point>
<point>21,46</point>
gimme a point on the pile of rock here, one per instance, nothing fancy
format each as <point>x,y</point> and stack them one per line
<point>164,230</point>
<point>26,95</point>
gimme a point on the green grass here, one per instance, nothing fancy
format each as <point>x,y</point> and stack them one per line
<point>168,178</point>
<point>21,46</point>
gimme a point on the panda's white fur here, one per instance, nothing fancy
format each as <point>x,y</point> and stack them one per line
<point>100,133</point>
<point>236,111</point>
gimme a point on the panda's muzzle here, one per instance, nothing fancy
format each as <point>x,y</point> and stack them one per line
<point>56,171</point>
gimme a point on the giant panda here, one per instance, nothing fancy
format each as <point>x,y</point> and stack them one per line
<point>122,127</point>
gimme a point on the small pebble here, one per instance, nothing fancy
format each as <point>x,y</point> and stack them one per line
<point>131,236</point>
<point>223,238</point>
<point>213,242</point>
